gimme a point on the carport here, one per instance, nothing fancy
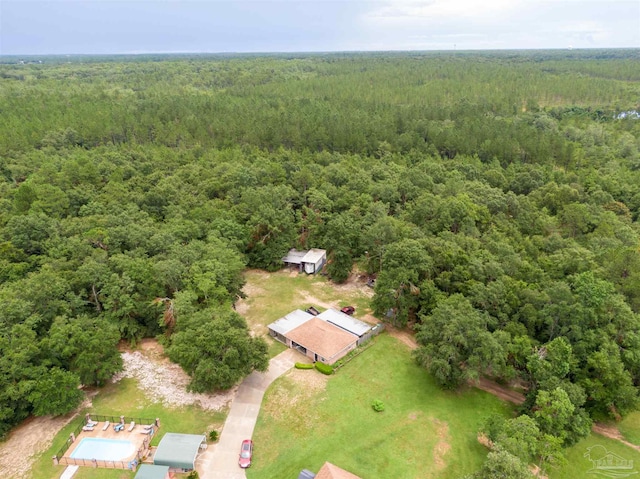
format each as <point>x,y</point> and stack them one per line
<point>179,451</point>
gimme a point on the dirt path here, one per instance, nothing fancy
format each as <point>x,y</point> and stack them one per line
<point>499,391</point>
<point>612,432</point>
<point>402,335</point>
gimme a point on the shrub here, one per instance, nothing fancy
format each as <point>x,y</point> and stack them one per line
<point>193,475</point>
<point>377,405</point>
<point>324,368</point>
<point>213,435</point>
<point>304,366</point>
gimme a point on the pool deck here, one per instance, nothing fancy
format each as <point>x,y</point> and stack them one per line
<point>136,436</point>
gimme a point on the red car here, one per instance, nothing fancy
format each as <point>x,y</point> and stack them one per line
<point>246,451</point>
<point>348,310</point>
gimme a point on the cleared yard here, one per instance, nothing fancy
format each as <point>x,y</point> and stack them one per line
<point>125,397</point>
<point>272,295</point>
<point>423,432</point>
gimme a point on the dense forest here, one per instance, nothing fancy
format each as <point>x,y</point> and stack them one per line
<point>495,196</point>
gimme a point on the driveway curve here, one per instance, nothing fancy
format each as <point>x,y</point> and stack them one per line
<point>220,460</point>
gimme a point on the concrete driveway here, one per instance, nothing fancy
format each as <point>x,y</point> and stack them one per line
<point>220,461</point>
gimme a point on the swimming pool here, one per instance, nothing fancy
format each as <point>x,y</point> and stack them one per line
<point>103,449</point>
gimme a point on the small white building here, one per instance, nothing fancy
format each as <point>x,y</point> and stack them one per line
<point>310,261</point>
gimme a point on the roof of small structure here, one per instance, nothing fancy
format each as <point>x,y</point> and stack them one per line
<point>294,256</point>
<point>178,450</point>
<point>321,337</point>
<point>331,471</point>
<point>344,321</point>
<point>314,255</point>
<point>290,321</point>
<point>148,471</point>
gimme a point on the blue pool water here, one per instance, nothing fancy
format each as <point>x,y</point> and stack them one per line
<point>103,449</point>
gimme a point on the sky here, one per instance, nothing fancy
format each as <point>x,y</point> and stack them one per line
<point>41,27</point>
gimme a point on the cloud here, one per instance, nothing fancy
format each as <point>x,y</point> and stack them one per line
<point>435,9</point>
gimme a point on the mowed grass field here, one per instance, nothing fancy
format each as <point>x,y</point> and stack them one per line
<point>307,419</point>
<point>578,466</point>
<point>271,296</point>
<point>125,398</point>
<point>424,432</point>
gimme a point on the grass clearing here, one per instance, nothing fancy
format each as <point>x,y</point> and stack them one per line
<point>630,427</point>
<point>580,466</point>
<point>423,432</point>
<point>125,398</point>
<point>270,296</point>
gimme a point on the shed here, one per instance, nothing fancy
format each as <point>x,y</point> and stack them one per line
<point>310,261</point>
<point>314,260</point>
<point>344,321</point>
<point>321,341</point>
<point>179,451</point>
<point>148,471</point>
<point>294,257</point>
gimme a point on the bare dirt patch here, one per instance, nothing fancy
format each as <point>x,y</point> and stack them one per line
<point>443,446</point>
<point>164,381</point>
<point>28,440</point>
<point>313,301</point>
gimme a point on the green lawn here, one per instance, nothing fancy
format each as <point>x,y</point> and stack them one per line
<point>424,432</point>
<point>630,427</point>
<point>124,398</point>
<point>272,295</point>
<point>578,465</point>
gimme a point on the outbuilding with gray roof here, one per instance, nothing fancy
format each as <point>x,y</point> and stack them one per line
<point>179,451</point>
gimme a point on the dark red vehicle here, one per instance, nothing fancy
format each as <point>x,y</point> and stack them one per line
<point>246,452</point>
<point>348,310</point>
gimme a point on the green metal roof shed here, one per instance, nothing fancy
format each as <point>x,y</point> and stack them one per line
<point>178,450</point>
<point>147,471</point>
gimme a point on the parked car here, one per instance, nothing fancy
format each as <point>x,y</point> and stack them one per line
<point>348,310</point>
<point>246,452</point>
<point>312,310</point>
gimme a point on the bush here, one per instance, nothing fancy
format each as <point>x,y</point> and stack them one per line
<point>193,475</point>
<point>304,366</point>
<point>377,405</point>
<point>324,368</point>
<point>213,435</point>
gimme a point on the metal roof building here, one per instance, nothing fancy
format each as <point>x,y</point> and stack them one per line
<point>344,321</point>
<point>179,451</point>
<point>310,261</point>
<point>148,471</point>
<point>290,321</point>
